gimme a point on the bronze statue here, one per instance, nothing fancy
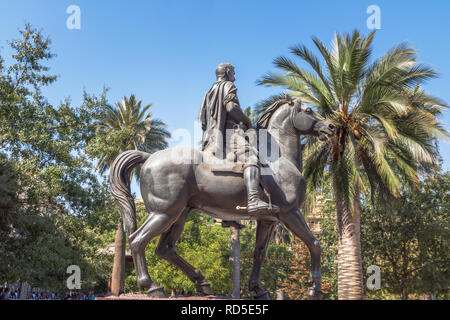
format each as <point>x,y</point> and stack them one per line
<point>176,181</point>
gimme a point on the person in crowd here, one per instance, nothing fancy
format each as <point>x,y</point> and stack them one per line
<point>10,294</point>
<point>5,295</point>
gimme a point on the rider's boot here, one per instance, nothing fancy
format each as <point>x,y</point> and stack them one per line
<point>255,204</point>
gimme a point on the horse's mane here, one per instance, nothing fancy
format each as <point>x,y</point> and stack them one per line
<point>268,112</point>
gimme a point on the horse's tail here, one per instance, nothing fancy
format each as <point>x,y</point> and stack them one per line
<point>119,179</point>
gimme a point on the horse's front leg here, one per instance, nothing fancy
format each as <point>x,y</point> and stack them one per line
<point>295,222</point>
<point>263,233</point>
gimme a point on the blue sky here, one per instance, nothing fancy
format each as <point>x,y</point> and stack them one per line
<point>165,52</point>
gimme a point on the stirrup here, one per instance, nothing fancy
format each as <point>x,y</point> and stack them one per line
<point>263,208</point>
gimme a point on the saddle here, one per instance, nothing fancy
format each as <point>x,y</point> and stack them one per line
<point>228,166</point>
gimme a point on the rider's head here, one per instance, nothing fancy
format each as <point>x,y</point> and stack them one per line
<point>225,71</point>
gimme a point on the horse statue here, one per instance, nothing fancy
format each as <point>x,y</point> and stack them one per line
<point>176,181</point>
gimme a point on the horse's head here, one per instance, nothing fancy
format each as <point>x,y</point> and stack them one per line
<point>309,122</point>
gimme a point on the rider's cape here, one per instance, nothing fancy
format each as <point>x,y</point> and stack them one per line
<point>213,113</point>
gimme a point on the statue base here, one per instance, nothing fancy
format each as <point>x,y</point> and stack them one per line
<point>136,296</point>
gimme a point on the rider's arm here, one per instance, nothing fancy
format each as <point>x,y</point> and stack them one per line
<point>232,105</point>
<point>236,113</point>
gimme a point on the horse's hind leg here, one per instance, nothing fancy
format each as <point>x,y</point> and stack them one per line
<point>155,224</point>
<point>166,250</point>
<point>264,231</point>
<point>295,222</point>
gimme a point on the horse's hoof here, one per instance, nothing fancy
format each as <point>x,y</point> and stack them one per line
<point>156,292</point>
<point>262,295</point>
<point>144,283</point>
<point>204,289</point>
<point>314,294</point>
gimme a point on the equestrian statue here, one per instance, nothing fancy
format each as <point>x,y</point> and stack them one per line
<point>225,180</point>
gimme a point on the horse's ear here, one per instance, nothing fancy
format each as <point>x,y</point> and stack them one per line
<point>288,99</point>
<point>298,105</point>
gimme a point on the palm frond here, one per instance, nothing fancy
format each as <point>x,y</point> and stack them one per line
<point>129,125</point>
<point>386,126</point>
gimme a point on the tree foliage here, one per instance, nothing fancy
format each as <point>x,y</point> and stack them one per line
<point>296,283</point>
<point>55,192</point>
<point>408,238</point>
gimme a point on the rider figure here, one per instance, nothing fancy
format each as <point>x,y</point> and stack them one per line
<point>220,110</point>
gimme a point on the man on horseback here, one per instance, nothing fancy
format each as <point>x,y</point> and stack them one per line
<point>220,111</point>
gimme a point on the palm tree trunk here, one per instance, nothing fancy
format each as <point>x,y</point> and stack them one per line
<point>118,272</point>
<point>236,260</point>
<point>350,278</point>
<point>405,294</point>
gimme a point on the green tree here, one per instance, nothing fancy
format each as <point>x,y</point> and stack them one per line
<point>408,238</point>
<point>8,191</point>
<point>49,178</point>
<point>128,125</point>
<point>384,128</point>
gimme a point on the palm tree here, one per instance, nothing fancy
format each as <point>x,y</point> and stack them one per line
<point>129,126</point>
<point>134,128</point>
<point>385,128</point>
